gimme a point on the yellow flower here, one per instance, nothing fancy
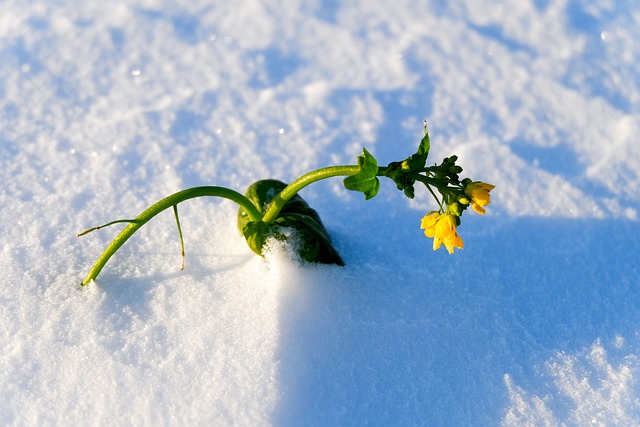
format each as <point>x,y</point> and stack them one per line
<point>442,227</point>
<point>479,193</point>
<point>428,223</point>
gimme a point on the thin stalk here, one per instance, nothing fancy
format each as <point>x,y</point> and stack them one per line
<point>160,206</point>
<point>435,197</point>
<point>428,182</point>
<point>175,213</point>
<point>118,221</point>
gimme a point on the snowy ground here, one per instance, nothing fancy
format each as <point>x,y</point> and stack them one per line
<point>106,107</point>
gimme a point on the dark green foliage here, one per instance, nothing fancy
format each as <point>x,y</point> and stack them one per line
<point>314,241</point>
<point>403,173</point>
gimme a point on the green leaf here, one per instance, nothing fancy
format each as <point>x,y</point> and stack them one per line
<point>419,159</point>
<point>314,243</point>
<point>365,180</point>
<point>256,234</point>
<point>401,172</point>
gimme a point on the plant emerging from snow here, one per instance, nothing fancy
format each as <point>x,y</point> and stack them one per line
<point>270,207</point>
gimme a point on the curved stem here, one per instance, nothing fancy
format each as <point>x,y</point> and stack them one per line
<point>160,206</point>
<point>292,189</point>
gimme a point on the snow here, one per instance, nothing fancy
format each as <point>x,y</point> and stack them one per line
<point>106,107</point>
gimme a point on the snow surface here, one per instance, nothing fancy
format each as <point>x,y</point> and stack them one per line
<point>106,107</point>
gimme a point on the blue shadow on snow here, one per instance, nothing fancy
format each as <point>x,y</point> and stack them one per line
<point>421,338</point>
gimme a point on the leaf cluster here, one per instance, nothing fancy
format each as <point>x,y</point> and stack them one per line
<point>405,173</point>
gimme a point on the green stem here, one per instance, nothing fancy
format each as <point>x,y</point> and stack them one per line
<point>290,190</point>
<point>160,206</point>
<point>427,183</point>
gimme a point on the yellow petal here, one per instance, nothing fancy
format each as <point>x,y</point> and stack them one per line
<point>436,243</point>
<point>478,208</point>
<point>428,223</point>
<point>429,220</point>
<point>458,242</point>
<point>479,193</point>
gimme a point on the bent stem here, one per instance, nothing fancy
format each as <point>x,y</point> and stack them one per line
<point>292,189</point>
<point>166,203</point>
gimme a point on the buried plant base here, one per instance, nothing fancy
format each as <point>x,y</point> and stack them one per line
<point>296,214</point>
<point>270,207</point>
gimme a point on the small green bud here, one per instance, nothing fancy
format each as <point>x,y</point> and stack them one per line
<point>409,192</point>
<point>455,209</point>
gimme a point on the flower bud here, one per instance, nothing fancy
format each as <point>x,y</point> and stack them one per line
<point>455,209</point>
<point>479,193</point>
